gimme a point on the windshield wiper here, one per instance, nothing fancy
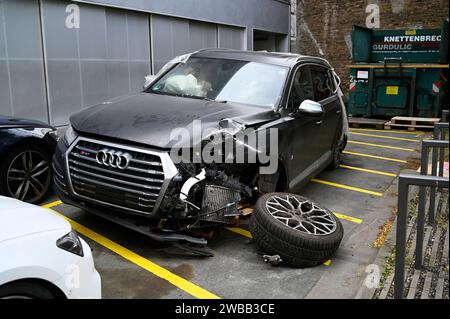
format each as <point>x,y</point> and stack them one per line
<point>206,99</point>
<point>212,100</point>
<point>167,93</point>
<point>188,96</point>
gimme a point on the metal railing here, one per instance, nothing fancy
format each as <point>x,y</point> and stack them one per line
<point>423,181</point>
<point>405,181</point>
<point>438,134</point>
<point>426,145</point>
<point>444,116</point>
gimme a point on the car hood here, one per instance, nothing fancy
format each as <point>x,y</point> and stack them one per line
<point>19,219</point>
<point>149,119</point>
<point>12,122</point>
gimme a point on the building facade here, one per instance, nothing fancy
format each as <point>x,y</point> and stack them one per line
<point>58,57</point>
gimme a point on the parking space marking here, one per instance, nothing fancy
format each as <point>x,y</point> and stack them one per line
<point>386,131</point>
<point>155,269</point>
<point>348,218</point>
<point>52,204</point>
<point>376,157</point>
<point>136,259</point>
<point>351,188</point>
<point>387,137</point>
<point>371,171</point>
<point>383,146</point>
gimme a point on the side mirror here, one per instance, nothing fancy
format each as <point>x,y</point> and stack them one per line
<point>310,108</point>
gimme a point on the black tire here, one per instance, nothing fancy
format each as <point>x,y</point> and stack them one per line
<point>25,290</point>
<point>5,164</point>
<point>295,247</point>
<point>337,158</point>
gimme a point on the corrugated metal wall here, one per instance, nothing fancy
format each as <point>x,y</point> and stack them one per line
<point>22,84</point>
<point>108,56</point>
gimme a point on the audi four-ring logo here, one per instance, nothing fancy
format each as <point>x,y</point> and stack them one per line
<point>116,159</point>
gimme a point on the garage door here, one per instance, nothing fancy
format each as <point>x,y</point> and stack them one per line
<point>231,37</point>
<point>173,37</point>
<point>108,56</point>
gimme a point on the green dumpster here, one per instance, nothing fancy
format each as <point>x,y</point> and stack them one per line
<point>398,72</point>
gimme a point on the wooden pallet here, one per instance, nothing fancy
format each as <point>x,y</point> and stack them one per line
<point>366,122</point>
<point>411,123</point>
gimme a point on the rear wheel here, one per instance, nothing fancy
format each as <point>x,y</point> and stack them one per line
<point>293,227</point>
<point>25,173</point>
<point>337,158</point>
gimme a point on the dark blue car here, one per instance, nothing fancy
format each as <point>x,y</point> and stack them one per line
<point>26,149</point>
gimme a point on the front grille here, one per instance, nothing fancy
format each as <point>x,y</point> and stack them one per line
<point>136,188</point>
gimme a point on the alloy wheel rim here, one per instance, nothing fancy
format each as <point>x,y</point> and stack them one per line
<point>28,176</point>
<point>301,215</point>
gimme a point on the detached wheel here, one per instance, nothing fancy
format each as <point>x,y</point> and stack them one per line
<point>293,227</point>
<point>25,173</point>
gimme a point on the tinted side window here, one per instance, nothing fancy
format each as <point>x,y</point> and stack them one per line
<point>322,82</point>
<point>301,88</point>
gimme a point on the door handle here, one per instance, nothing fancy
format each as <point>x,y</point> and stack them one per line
<point>338,112</point>
<point>319,122</point>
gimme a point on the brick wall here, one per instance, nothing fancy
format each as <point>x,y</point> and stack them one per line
<point>324,27</point>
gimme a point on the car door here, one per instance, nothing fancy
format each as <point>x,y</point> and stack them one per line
<point>300,134</point>
<point>324,93</point>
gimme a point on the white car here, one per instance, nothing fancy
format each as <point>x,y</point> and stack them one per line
<point>41,256</point>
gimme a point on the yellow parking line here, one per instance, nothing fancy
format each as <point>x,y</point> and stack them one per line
<point>351,188</point>
<point>138,260</point>
<point>348,218</point>
<point>240,231</point>
<point>376,157</point>
<point>385,131</point>
<point>155,269</point>
<point>52,204</point>
<point>383,146</point>
<point>368,170</point>
<point>387,137</point>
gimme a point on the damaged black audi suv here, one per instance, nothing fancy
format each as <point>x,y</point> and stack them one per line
<point>214,131</point>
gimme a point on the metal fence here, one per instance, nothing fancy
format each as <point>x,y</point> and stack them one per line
<point>438,134</point>
<point>445,116</point>
<point>436,180</point>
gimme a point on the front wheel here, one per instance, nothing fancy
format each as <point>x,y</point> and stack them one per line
<point>293,227</point>
<point>25,173</point>
<point>25,290</point>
